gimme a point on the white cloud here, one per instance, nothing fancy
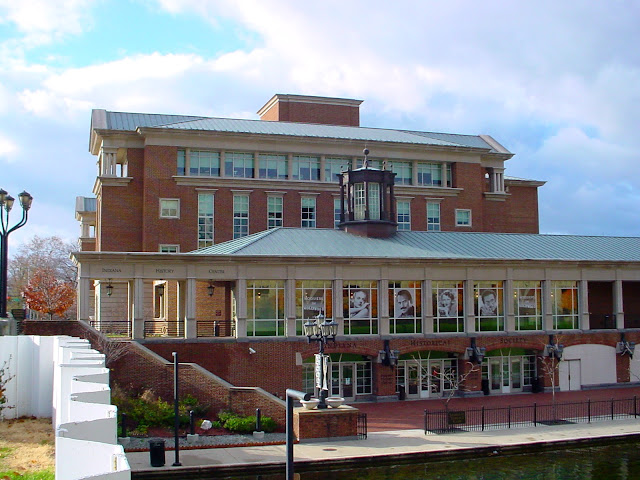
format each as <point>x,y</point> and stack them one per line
<point>7,147</point>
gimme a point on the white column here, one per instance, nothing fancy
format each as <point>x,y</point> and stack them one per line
<point>469,307</point>
<point>618,304</point>
<point>138,308</point>
<point>444,174</point>
<point>427,307</point>
<point>414,172</point>
<point>222,165</point>
<point>256,165</point>
<point>290,307</point>
<point>241,308</point>
<point>383,307</point>
<point>583,305</point>
<point>337,305</point>
<point>322,167</point>
<point>547,306</point>
<point>84,289</point>
<point>187,306</point>
<point>510,318</point>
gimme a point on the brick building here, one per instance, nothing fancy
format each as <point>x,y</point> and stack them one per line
<point>220,238</point>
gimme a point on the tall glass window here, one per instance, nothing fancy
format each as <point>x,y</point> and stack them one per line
<point>430,174</point>
<point>274,212</point>
<point>308,212</point>
<point>404,214</point>
<point>240,216</point>
<point>527,305</point>
<point>433,217</point>
<point>489,306</point>
<point>374,201</point>
<point>265,308</point>
<point>405,307</point>
<point>313,298</point>
<point>337,210</point>
<point>306,167</point>
<point>205,219</point>
<point>238,164</point>
<point>564,305</point>
<point>203,163</point>
<point>360,307</point>
<point>373,163</point>
<point>359,201</point>
<point>403,172</point>
<point>335,166</point>
<point>272,166</point>
<point>182,162</point>
<point>448,306</point>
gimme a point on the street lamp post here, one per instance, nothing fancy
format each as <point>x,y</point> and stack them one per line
<point>322,331</point>
<point>6,204</point>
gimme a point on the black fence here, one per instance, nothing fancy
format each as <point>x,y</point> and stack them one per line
<point>163,328</point>
<point>362,426</point>
<point>113,328</point>
<point>481,419</point>
<point>216,328</point>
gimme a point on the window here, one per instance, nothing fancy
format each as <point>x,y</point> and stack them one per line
<point>404,214</point>
<point>337,211</point>
<point>564,305</point>
<point>403,173</point>
<point>308,212</point>
<point>169,208</point>
<point>202,163</point>
<point>265,308</point>
<point>205,220</point>
<point>433,217</point>
<point>272,166</point>
<point>360,202</point>
<point>306,168</point>
<point>448,306</point>
<point>372,163</point>
<point>313,298</point>
<point>274,212</point>
<point>405,307</point>
<point>527,305</point>
<point>334,167</point>
<point>489,306</point>
<point>430,174</point>
<point>240,216</point>
<point>169,248</point>
<point>238,164</point>
<point>463,218</point>
<point>182,169</point>
<point>360,307</point>
<point>374,201</point>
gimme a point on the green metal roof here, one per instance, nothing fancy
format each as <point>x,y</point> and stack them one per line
<point>309,243</point>
<point>122,121</point>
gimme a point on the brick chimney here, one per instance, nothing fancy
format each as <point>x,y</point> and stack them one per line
<point>308,109</point>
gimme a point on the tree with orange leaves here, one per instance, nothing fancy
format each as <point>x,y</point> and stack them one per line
<point>47,294</point>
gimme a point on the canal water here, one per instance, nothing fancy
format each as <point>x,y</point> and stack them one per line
<point>612,462</point>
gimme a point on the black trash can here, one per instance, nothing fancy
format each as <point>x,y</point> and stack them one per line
<point>156,452</point>
<point>485,386</point>
<point>402,393</point>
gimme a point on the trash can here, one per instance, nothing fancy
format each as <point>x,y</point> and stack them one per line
<point>485,386</point>
<point>156,452</point>
<point>402,393</point>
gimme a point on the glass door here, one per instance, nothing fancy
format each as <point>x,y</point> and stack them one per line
<point>516,374</point>
<point>347,381</point>
<point>413,377</point>
<point>495,374</point>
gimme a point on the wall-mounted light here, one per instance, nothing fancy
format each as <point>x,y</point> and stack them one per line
<point>553,350</point>
<point>211,288</point>
<point>625,348</point>
<point>251,351</point>
<point>474,353</point>
<point>387,356</point>
<point>160,289</point>
<point>109,289</point>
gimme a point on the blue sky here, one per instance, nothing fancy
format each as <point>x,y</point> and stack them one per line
<point>557,83</point>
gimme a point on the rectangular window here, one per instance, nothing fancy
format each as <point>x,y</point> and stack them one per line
<point>359,202</point>
<point>181,170</point>
<point>363,378</point>
<point>463,218</point>
<point>169,248</point>
<point>374,201</point>
<point>274,212</point>
<point>333,167</point>
<point>360,307</point>
<point>265,308</point>
<point>527,305</point>
<point>373,163</point>
<point>308,212</point>
<point>405,307</point>
<point>306,168</point>
<point>273,166</point>
<point>337,210</point>
<point>404,214</point>
<point>403,172</point>
<point>238,164</point>
<point>489,306</point>
<point>203,163</point>
<point>448,306</point>
<point>430,174</point>
<point>313,298</point>
<point>169,208</point>
<point>240,216</point>
<point>433,217</point>
<point>564,305</point>
<point>205,220</point>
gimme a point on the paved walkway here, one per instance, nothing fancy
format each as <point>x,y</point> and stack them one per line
<point>395,432</point>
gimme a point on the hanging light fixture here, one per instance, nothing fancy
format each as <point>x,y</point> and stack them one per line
<point>160,288</point>
<point>211,288</point>
<point>109,289</point>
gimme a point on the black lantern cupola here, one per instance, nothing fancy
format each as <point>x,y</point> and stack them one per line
<point>368,202</point>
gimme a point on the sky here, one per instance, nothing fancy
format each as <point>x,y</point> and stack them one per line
<point>556,83</point>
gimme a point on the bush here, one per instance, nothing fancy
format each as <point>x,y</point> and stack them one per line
<point>247,424</point>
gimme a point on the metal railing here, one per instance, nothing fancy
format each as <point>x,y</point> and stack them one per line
<point>362,426</point>
<point>163,328</point>
<point>113,328</point>
<point>499,418</point>
<point>216,328</point>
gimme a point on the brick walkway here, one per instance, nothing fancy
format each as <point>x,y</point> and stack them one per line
<point>409,414</point>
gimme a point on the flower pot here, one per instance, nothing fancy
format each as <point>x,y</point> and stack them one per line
<point>334,402</point>
<point>310,404</point>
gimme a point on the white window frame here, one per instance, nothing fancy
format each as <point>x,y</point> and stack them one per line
<point>269,163</point>
<point>308,217</point>
<point>434,226</point>
<point>272,219</point>
<point>208,222</point>
<point>242,229</point>
<point>239,162</point>
<point>165,247</point>
<point>404,218</point>
<point>162,208</point>
<point>337,210</point>
<point>460,211</point>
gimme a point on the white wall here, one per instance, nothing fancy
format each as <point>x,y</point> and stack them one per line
<point>597,363</point>
<point>63,378</point>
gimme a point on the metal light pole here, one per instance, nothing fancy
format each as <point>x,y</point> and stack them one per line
<point>321,331</point>
<point>176,411</point>
<point>6,204</point>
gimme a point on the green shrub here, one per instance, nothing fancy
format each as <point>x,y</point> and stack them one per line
<point>245,424</point>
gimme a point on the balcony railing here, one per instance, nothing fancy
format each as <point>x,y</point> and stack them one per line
<point>163,328</point>
<point>113,328</point>
<point>216,328</point>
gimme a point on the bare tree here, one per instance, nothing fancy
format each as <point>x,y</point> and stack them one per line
<point>112,350</point>
<point>5,378</point>
<point>550,365</point>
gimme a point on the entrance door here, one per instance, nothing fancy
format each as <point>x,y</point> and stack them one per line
<point>342,380</point>
<point>569,375</point>
<point>505,374</point>
<point>413,380</point>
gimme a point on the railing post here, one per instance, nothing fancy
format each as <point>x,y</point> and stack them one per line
<point>535,414</point>
<point>123,424</point>
<point>589,410</point>
<point>509,416</point>
<point>425,421</point>
<point>483,418</point>
<point>635,407</point>
<point>192,423</point>
<point>612,409</point>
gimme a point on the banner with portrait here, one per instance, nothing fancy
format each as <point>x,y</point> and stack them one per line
<point>447,303</point>
<point>404,302</point>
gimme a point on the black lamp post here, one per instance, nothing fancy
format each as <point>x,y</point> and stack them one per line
<point>322,331</point>
<point>6,204</point>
